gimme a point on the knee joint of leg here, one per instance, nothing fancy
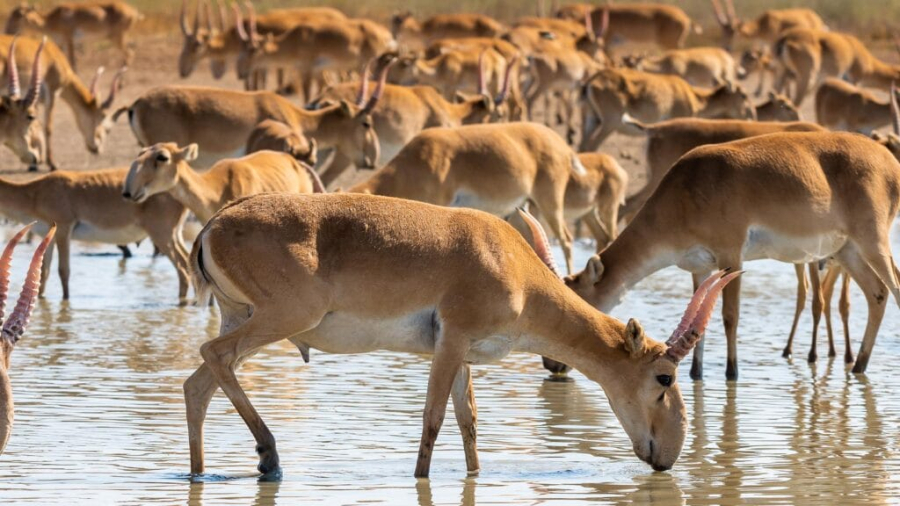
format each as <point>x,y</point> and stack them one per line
<point>212,354</point>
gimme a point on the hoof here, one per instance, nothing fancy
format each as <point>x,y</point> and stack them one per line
<point>557,368</point>
<point>268,460</point>
<point>786,353</point>
<point>696,371</point>
<point>731,371</point>
<point>848,358</point>
<point>812,358</point>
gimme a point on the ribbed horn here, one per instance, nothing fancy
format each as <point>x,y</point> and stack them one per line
<point>185,29</point>
<point>15,325</point>
<point>36,75</point>
<point>239,22</point>
<point>895,109</point>
<point>5,261</point>
<point>680,347</point>
<point>363,92</point>
<point>504,91</point>
<point>539,238</point>
<point>379,88</point>
<point>12,70</point>
<point>95,82</point>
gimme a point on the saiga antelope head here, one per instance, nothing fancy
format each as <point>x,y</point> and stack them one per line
<point>19,128</point>
<point>647,400</point>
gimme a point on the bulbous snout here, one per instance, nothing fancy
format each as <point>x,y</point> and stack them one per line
<point>650,452</point>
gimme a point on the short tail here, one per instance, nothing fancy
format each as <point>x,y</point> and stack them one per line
<point>202,284</point>
<point>632,126</point>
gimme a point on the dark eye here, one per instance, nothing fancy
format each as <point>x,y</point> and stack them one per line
<point>664,380</point>
<point>31,117</point>
<point>367,124</point>
<point>162,158</point>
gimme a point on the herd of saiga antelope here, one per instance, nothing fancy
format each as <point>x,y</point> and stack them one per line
<point>352,273</point>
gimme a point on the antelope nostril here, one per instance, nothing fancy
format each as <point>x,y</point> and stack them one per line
<point>127,195</point>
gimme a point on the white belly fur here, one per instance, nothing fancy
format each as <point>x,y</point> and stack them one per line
<point>346,333</point>
<point>762,243</point>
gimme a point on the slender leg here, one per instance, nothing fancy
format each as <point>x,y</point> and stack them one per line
<point>466,416</point>
<point>731,306</point>
<point>876,298</point>
<point>802,287</point>
<point>831,277</point>
<point>601,232</point>
<point>198,391</point>
<point>63,236</point>
<point>817,308</point>
<point>845,316</point>
<point>449,355</point>
<point>224,353</point>
<point>45,267</point>
<point>48,129</point>
<point>697,362</point>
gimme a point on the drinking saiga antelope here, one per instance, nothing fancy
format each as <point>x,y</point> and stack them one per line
<point>163,168</point>
<point>92,114</point>
<point>20,130</point>
<point>796,197</point>
<point>494,168</point>
<point>360,273</point>
<point>14,326</point>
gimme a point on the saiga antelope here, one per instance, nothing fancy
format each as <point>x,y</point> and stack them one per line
<point>612,93</point>
<point>222,120</point>
<point>666,26</point>
<point>274,135</point>
<point>493,168</point>
<point>19,128</point>
<point>92,115</point>
<point>88,205</point>
<point>313,46</point>
<point>404,111</point>
<point>767,27</point>
<point>223,43</point>
<point>843,106</point>
<point>809,56</point>
<point>110,19</point>
<point>415,35</point>
<point>699,66</point>
<point>14,326</point>
<point>359,273</point>
<point>667,141</point>
<point>163,168</point>
<point>793,197</point>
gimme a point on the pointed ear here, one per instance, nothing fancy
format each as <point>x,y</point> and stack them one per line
<point>190,152</point>
<point>594,270</point>
<point>634,338</point>
<point>460,97</point>
<point>346,108</point>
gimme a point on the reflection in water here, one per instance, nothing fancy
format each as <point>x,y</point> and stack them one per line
<point>100,416</point>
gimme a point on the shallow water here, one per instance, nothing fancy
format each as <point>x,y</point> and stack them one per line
<point>100,417</point>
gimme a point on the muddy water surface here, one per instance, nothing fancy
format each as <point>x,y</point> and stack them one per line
<point>100,416</point>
